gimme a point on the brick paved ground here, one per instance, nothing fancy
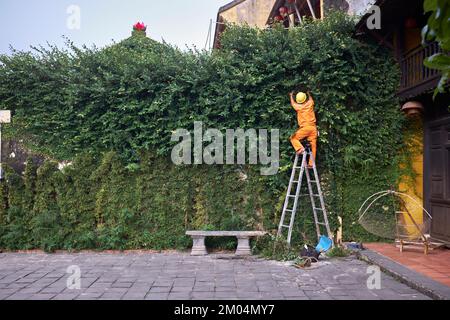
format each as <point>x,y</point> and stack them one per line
<point>436,264</point>
<point>154,276</point>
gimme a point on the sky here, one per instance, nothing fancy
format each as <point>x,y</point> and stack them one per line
<point>34,22</point>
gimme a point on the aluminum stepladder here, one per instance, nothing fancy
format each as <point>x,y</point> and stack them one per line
<point>296,183</point>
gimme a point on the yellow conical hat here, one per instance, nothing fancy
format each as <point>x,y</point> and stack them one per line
<point>301,97</point>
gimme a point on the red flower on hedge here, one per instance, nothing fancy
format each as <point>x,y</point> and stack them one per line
<point>140,26</point>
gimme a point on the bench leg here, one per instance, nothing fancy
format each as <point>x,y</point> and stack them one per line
<point>198,247</point>
<point>243,247</point>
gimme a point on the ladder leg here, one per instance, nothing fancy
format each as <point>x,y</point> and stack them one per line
<point>286,200</point>
<point>322,202</point>
<point>313,203</point>
<point>297,192</point>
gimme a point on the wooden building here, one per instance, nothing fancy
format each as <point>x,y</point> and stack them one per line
<point>401,25</point>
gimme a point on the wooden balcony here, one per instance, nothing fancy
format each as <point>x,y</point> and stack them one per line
<point>416,78</point>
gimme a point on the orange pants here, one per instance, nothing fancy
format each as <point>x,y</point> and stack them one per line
<point>309,133</point>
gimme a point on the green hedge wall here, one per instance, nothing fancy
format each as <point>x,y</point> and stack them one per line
<point>100,204</point>
<point>115,105</point>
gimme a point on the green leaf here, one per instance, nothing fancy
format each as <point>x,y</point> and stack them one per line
<point>429,5</point>
<point>438,61</point>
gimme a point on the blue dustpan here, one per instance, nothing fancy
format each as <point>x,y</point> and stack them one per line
<point>324,245</point>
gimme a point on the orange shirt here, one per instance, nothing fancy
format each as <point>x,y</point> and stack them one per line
<point>305,114</point>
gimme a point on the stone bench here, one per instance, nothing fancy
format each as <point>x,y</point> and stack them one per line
<point>243,237</point>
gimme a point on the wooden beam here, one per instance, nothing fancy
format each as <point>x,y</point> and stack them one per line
<point>311,9</point>
<point>383,40</point>
<point>400,42</point>
<point>322,13</point>
<point>230,5</point>
<point>298,12</point>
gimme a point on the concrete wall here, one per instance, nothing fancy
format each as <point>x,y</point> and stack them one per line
<point>252,12</point>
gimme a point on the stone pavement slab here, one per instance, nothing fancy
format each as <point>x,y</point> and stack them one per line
<point>162,276</point>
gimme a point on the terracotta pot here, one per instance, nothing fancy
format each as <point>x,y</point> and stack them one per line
<point>412,108</point>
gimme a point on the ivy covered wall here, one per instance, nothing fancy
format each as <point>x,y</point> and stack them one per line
<point>112,112</point>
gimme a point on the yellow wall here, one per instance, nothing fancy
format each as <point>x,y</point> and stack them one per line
<point>413,39</point>
<point>252,12</point>
<point>414,188</point>
<point>414,140</point>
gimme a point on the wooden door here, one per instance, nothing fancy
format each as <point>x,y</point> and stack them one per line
<point>437,176</point>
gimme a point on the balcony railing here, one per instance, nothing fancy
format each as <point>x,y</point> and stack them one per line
<point>416,78</point>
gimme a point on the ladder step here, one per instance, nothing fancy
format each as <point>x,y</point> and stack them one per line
<point>310,178</point>
<point>307,166</point>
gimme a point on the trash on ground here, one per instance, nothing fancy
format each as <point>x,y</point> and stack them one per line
<point>354,246</point>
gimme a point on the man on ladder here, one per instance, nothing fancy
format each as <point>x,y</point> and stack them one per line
<point>304,105</point>
<point>306,118</point>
